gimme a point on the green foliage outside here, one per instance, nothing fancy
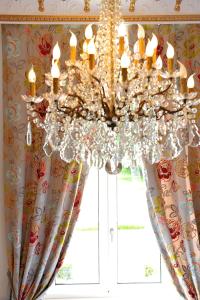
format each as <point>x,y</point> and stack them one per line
<point>129,175</point>
<point>65,272</point>
<point>120,227</point>
<point>130,227</point>
<point>148,271</point>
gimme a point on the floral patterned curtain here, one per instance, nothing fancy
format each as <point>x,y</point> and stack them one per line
<point>175,220</point>
<point>42,195</point>
<point>174,186</point>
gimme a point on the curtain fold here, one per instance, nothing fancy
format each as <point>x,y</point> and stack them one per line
<point>42,195</point>
<point>172,213</point>
<point>173,187</point>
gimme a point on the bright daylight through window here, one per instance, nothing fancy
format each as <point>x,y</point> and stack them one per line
<point>113,250</point>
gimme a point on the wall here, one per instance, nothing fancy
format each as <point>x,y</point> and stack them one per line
<point>4,290</point>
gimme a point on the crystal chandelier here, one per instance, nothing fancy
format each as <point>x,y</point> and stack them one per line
<point>113,105</point>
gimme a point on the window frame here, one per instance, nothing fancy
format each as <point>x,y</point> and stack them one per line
<point>108,286</point>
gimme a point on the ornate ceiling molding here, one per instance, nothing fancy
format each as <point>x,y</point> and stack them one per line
<point>132,6</point>
<point>87,19</point>
<point>86,5</point>
<point>41,5</point>
<point>178,5</point>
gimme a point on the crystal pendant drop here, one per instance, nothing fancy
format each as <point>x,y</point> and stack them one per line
<point>113,167</point>
<point>29,134</point>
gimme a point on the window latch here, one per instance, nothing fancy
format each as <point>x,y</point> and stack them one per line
<point>112,234</point>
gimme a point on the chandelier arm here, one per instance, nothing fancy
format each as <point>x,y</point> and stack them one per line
<point>133,78</point>
<point>140,107</point>
<point>97,79</point>
<point>161,92</point>
<point>171,112</point>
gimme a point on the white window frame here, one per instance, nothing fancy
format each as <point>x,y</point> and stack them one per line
<point>108,286</point>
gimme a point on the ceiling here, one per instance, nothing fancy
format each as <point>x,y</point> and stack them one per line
<point>75,7</point>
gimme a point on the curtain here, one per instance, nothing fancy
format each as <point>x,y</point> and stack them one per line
<point>42,195</point>
<point>173,187</point>
<point>175,221</point>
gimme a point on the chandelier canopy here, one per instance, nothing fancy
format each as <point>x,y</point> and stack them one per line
<point>114,105</point>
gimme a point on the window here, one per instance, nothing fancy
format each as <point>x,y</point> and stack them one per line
<point>113,250</point>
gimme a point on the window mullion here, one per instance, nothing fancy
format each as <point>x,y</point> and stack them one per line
<point>112,230</point>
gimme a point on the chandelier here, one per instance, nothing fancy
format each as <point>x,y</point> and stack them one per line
<point>114,106</point>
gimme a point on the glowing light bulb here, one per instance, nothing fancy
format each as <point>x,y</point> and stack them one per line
<point>91,47</point>
<point>170,51</point>
<point>122,30</point>
<point>56,52</point>
<point>89,32</point>
<point>31,75</point>
<point>73,40</point>
<point>190,82</point>
<point>125,61</point>
<point>55,72</point>
<point>182,71</point>
<point>85,47</point>
<point>159,63</point>
<point>141,32</point>
<point>136,47</point>
<point>149,49</point>
<point>154,41</point>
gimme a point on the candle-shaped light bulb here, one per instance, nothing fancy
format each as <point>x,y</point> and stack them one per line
<point>183,78</point>
<point>170,58</point>
<point>141,32</point>
<point>89,32</point>
<point>56,52</point>
<point>170,51</point>
<point>136,52</point>
<point>149,49</point>
<point>136,47</point>
<point>122,33</point>
<point>191,83</point>
<point>91,52</point>
<point>73,44</point>
<point>91,47</point>
<point>154,42</point>
<point>158,66</point>
<point>85,47</point>
<point>149,55</point>
<point>31,75</point>
<point>182,71</point>
<point>125,60</point>
<point>55,73</point>
<point>159,63</point>
<point>32,80</point>
<point>73,40</point>
<point>125,63</point>
<point>141,36</point>
<point>122,30</point>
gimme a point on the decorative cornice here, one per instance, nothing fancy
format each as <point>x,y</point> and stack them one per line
<point>128,18</point>
<point>86,5</point>
<point>178,5</point>
<point>41,5</point>
<point>132,5</point>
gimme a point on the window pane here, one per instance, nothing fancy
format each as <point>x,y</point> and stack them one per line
<point>82,260</point>
<point>138,252</point>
